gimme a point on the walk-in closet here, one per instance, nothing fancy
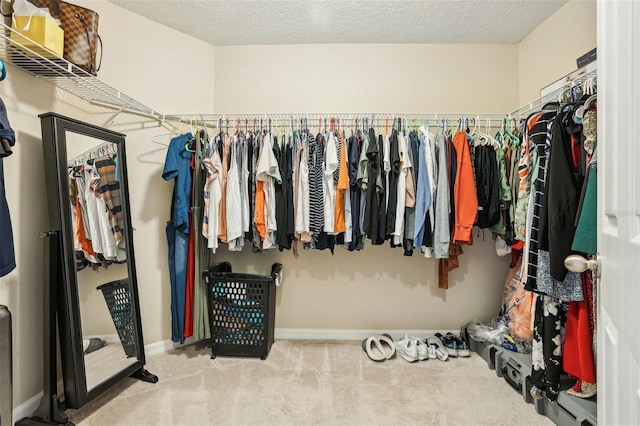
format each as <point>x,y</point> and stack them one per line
<point>311,212</point>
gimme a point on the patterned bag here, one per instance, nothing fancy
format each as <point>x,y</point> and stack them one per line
<point>81,37</point>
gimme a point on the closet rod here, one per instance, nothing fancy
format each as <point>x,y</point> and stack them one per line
<point>346,119</point>
<point>111,148</point>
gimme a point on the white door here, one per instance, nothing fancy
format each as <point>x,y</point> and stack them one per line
<point>619,212</point>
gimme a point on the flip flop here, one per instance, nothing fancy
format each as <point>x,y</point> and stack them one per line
<point>379,348</point>
<point>388,345</point>
<point>373,353</point>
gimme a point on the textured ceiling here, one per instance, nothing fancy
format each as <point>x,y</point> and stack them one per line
<point>236,22</point>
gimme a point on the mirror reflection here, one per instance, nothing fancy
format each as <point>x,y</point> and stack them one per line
<point>100,256</point>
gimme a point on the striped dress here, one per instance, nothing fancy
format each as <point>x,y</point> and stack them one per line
<point>316,194</point>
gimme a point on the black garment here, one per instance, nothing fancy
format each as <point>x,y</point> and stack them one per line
<point>487,186</point>
<point>374,189</point>
<point>452,159</point>
<point>316,191</point>
<point>394,175</point>
<point>561,197</point>
<point>382,205</point>
<point>353,147</point>
<point>254,154</point>
<point>548,328</point>
<point>282,197</point>
<point>539,135</point>
<point>289,180</point>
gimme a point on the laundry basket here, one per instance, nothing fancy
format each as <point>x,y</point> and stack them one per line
<point>241,311</point>
<point>118,298</point>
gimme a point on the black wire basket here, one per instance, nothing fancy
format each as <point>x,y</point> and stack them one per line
<point>241,311</point>
<point>118,298</point>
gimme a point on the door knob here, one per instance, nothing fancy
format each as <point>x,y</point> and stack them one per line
<point>577,263</point>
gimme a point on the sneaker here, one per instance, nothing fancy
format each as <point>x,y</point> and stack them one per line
<point>437,349</point>
<point>449,344</point>
<point>407,349</point>
<point>462,346</point>
<point>422,347</point>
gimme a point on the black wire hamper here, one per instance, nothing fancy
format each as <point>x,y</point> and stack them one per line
<point>118,298</point>
<point>241,311</point>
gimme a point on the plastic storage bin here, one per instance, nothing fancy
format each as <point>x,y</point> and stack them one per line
<point>118,298</point>
<point>241,311</point>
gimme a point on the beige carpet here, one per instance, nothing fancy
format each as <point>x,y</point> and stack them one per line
<point>310,382</point>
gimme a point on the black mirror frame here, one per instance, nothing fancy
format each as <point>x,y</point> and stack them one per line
<point>54,127</point>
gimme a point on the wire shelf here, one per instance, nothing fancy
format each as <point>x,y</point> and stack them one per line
<point>563,90</point>
<point>27,55</point>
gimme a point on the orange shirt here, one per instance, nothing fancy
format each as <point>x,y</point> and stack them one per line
<point>259,218</point>
<point>341,190</point>
<point>464,192</point>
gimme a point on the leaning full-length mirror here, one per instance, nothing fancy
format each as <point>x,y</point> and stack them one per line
<point>99,319</point>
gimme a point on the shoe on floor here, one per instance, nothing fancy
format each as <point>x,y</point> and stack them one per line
<point>437,348</point>
<point>422,347</point>
<point>407,349</point>
<point>93,345</point>
<point>379,348</point>
<point>449,344</point>
<point>461,345</point>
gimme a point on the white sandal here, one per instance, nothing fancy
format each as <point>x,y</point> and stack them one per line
<point>379,348</point>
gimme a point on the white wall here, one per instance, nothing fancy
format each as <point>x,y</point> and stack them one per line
<point>151,63</point>
<point>550,51</point>
<point>377,288</point>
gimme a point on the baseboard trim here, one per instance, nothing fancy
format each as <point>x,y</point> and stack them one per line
<point>305,334</point>
<point>340,334</point>
<point>27,408</point>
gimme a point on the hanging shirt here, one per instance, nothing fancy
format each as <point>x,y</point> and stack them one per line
<point>267,173</point>
<point>316,194</point>
<point>244,185</point>
<point>92,211</point>
<point>392,187</point>
<point>212,197</point>
<point>441,235</point>
<point>176,167</point>
<point>423,195</point>
<point>234,199</point>
<point>343,186</point>
<point>329,186</point>
<point>374,190</point>
<point>302,205</point>
<point>7,140</point>
<point>108,189</point>
<point>465,197</point>
<point>405,164</point>
<point>222,213</point>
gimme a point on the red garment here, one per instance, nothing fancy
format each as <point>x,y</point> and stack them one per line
<point>576,150</point>
<point>191,271</point>
<point>578,351</point>
<point>464,192</point>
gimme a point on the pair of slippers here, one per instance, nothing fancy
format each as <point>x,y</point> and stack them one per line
<point>379,348</point>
